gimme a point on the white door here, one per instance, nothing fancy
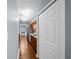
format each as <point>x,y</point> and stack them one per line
<point>52,32</point>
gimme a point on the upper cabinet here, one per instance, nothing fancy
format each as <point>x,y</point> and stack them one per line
<point>33,25</point>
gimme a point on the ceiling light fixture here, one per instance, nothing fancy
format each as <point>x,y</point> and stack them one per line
<point>27,14</point>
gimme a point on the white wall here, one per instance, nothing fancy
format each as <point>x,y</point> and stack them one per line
<point>12,43</point>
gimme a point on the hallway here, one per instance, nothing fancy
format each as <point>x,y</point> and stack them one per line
<point>26,50</point>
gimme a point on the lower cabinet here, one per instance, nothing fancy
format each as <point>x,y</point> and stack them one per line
<point>34,43</point>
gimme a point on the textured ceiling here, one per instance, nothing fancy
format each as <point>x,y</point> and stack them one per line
<point>37,5</point>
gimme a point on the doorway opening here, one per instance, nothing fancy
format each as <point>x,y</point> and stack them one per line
<point>28,38</point>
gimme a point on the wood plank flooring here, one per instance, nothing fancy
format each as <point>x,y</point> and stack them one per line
<point>26,50</point>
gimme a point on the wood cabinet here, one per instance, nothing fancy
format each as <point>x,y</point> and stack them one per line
<point>33,43</point>
<point>33,25</point>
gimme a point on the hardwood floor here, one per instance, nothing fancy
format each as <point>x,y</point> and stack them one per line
<point>26,50</point>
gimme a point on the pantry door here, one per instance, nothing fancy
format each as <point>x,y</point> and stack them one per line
<point>52,32</point>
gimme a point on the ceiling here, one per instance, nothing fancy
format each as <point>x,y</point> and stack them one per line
<point>36,5</point>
